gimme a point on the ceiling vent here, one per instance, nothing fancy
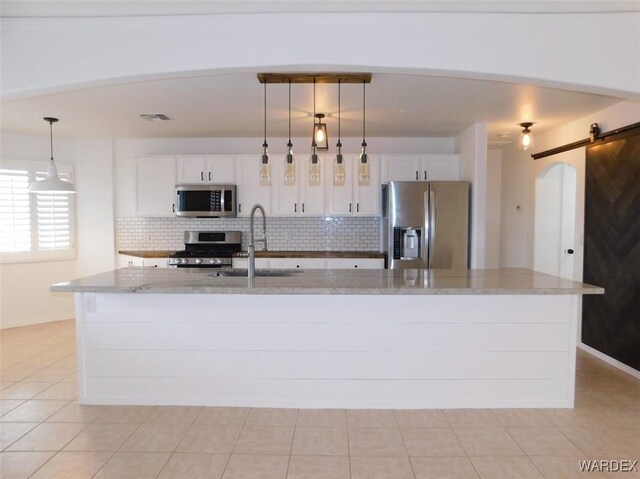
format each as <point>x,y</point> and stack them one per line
<point>155,117</point>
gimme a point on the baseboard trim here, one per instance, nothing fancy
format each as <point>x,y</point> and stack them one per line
<point>31,322</point>
<point>609,360</point>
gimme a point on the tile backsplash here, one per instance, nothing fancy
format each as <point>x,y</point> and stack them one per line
<point>293,234</point>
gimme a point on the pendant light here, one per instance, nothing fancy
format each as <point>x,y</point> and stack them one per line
<point>52,184</point>
<point>526,137</point>
<point>320,133</point>
<point>338,165</point>
<point>265,165</point>
<point>289,164</point>
<point>314,163</point>
<point>363,163</point>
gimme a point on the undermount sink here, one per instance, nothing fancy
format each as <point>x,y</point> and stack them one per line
<point>242,273</point>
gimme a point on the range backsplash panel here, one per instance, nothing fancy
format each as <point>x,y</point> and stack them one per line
<point>293,234</point>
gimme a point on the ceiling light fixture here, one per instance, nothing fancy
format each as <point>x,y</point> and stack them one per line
<point>52,184</point>
<point>289,164</point>
<point>320,130</point>
<point>338,166</point>
<point>265,166</point>
<point>314,165</point>
<point>363,164</point>
<point>526,137</point>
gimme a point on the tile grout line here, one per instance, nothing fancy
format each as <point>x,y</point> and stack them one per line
<point>179,442</point>
<point>404,443</point>
<point>235,443</point>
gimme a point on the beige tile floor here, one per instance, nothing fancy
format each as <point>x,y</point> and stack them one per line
<point>46,434</point>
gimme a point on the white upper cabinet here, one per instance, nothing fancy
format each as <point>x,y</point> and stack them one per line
<point>298,199</point>
<point>155,186</point>
<point>250,191</point>
<point>216,169</point>
<point>352,198</point>
<point>431,167</point>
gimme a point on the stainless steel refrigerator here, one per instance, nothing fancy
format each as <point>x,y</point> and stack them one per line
<point>426,224</point>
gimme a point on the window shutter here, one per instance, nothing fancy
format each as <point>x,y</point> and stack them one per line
<point>15,216</point>
<point>53,218</point>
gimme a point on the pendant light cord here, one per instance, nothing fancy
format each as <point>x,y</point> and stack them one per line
<point>364,111</point>
<point>265,115</point>
<point>289,111</point>
<point>51,138</point>
<point>313,143</point>
<point>339,113</point>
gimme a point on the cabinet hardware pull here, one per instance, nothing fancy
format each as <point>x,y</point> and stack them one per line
<point>303,207</point>
<point>357,210</point>
<point>210,176</point>
<point>425,174</point>
<point>239,207</point>
<point>295,207</point>
<point>349,207</point>
<point>416,174</point>
<point>202,176</point>
<point>173,207</point>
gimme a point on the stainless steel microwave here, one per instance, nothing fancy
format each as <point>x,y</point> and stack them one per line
<point>211,201</point>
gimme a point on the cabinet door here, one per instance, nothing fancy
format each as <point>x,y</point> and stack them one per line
<point>367,198</point>
<point>298,263</point>
<point>155,184</point>
<point>191,169</point>
<point>339,199</point>
<point>220,169</point>
<point>441,167</point>
<point>249,189</point>
<point>311,201</point>
<point>401,168</point>
<point>355,263</point>
<point>284,199</point>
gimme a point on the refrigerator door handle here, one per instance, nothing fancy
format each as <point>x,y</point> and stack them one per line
<point>433,215</point>
<point>426,230</point>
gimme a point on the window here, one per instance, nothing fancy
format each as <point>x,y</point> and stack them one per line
<point>34,227</point>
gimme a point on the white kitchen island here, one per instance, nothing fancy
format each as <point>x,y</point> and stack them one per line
<point>328,338</point>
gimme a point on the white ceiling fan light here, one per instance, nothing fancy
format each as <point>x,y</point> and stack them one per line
<point>52,184</point>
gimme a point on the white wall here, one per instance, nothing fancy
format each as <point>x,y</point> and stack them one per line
<point>572,51</point>
<point>494,191</point>
<point>24,287</point>
<point>471,144</point>
<point>126,150</point>
<point>519,172</point>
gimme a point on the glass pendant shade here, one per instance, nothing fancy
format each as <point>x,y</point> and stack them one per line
<point>314,170</point>
<point>290,167</point>
<point>526,137</point>
<point>338,169</point>
<point>52,184</point>
<point>265,167</point>
<point>363,167</point>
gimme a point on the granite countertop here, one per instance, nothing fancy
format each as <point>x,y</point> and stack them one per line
<point>147,254</point>
<point>330,281</point>
<point>271,254</point>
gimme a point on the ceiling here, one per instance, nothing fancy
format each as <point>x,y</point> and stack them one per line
<point>75,8</point>
<point>231,105</point>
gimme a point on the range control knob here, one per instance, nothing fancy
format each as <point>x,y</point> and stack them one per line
<point>212,261</point>
<point>217,261</point>
<point>183,261</point>
<point>198,261</point>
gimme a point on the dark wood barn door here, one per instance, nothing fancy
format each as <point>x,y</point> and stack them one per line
<point>611,322</point>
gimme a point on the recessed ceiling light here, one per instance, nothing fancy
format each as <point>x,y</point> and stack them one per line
<point>155,117</point>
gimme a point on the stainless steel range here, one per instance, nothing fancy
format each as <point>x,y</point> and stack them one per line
<point>207,249</point>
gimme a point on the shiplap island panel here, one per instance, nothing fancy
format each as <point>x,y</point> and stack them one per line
<point>348,339</point>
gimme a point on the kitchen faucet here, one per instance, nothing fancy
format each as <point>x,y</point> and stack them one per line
<point>251,268</point>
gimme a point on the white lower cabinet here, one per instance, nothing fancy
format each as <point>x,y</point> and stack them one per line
<point>312,263</point>
<point>355,263</point>
<point>136,262</point>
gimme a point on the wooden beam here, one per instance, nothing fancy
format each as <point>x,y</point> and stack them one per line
<point>318,77</point>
